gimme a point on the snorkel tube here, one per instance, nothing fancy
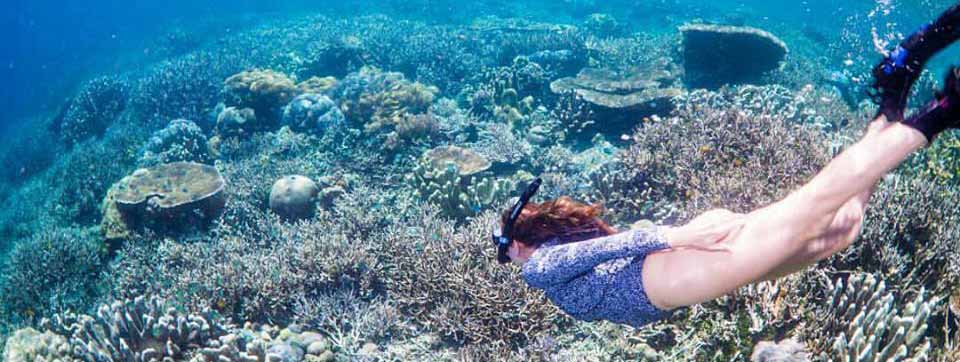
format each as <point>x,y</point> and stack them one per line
<point>503,238</point>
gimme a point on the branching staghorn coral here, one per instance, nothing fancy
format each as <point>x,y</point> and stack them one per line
<point>710,158</point>
<point>54,270</point>
<point>93,109</point>
<point>864,322</point>
<point>445,278</point>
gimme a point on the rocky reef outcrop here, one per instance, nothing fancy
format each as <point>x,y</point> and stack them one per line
<point>714,55</point>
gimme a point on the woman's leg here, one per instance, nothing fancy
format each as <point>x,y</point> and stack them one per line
<point>774,236</point>
<point>843,229</point>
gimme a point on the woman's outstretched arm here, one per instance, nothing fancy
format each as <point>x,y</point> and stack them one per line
<point>772,237</point>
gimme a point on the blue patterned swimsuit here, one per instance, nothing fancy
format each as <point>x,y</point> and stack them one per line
<point>599,278</point>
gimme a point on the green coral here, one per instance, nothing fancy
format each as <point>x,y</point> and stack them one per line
<point>385,101</point>
<point>264,91</point>
<point>863,322</point>
<point>458,195</point>
<point>29,345</point>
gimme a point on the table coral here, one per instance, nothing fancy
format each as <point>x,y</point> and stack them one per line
<point>169,197</point>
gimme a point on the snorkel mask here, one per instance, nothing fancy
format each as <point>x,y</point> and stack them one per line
<point>502,239</point>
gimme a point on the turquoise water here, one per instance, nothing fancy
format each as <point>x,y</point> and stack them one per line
<point>318,180</point>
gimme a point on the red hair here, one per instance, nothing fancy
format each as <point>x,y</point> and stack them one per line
<point>562,218</point>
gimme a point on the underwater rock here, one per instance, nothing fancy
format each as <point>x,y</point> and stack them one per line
<point>714,55</point>
<point>623,98</point>
<point>787,350</point>
<point>265,91</point>
<point>464,160</point>
<point>140,329</point>
<point>172,197</point>
<point>182,140</point>
<point>294,197</point>
<point>234,121</point>
<point>29,345</point>
<point>312,112</point>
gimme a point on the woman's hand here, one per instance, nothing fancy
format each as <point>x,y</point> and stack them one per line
<point>709,231</point>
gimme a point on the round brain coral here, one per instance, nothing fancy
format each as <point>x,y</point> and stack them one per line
<point>294,197</point>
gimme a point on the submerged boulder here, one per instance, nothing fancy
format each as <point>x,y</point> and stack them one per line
<point>294,197</point>
<point>173,197</point>
<point>715,55</point>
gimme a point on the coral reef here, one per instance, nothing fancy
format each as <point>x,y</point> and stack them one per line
<point>470,299</point>
<point>863,321</point>
<point>379,102</point>
<point>140,329</point>
<point>97,104</point>
<point>394,261</point>
<point>52,271</point>
<point>448,177</point>
<point>264,91</point>
<point>312,113</point>
<point>180,141</point>
<point>232,121</point>
<point>294,197</point>
<point>169,197</point>
<point>696,161</point>
<point>28,345</point>
<point>714,55</point>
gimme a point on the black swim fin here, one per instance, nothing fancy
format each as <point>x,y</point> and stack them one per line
<point>896,73</point>
<point>943,112</point>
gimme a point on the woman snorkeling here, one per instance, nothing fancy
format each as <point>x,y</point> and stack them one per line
<point>637,276</point>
